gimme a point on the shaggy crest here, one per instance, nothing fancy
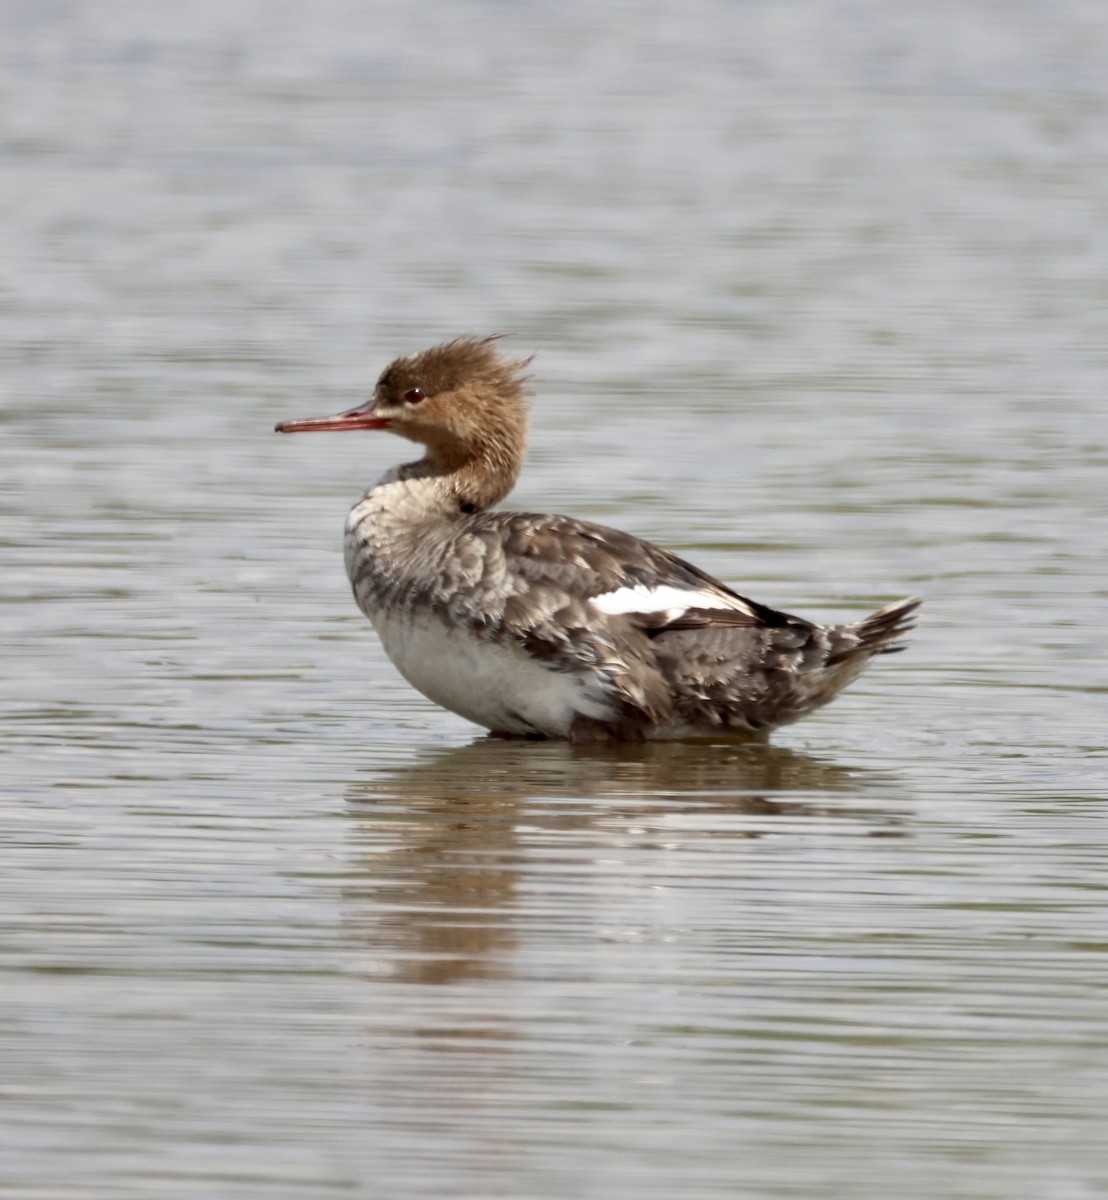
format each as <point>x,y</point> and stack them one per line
<point>469,364</point>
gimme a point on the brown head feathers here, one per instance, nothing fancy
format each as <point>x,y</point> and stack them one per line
<point>468,405</point>
<point>469,364</point>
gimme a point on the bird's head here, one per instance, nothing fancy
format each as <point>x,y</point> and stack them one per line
<point>463,400</point>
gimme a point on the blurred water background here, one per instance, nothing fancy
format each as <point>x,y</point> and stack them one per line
<point>819,296</point>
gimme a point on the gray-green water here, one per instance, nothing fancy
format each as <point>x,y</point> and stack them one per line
<point>818,292</point>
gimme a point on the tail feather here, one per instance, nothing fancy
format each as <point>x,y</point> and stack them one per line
<point>879,632</point>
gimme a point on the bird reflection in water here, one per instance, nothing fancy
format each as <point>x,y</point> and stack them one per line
<point>514,878</point>
<point>447,844</point>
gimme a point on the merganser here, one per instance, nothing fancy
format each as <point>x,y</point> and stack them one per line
<point>537,625</point>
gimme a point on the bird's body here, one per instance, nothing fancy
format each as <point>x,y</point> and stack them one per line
<point>541,625</point>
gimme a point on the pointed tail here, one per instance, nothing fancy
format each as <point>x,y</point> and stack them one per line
<point>879,632</point>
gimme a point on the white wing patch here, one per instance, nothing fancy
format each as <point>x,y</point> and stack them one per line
<point>672,601</point>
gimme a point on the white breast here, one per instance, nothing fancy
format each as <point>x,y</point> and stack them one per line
<point>497,686</point>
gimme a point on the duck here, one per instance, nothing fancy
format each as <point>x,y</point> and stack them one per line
<point>535,625</point>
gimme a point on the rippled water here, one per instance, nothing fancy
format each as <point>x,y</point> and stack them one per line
<point>818,293</point>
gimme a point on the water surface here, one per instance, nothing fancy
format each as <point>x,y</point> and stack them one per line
<point>818,298</point>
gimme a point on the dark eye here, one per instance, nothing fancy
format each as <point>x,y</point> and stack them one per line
<point>413,395</point>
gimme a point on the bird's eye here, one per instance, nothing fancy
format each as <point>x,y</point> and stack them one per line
<point>413,395</point>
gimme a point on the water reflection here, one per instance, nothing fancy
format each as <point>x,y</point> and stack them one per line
<point>742,775</point>
<point>447,844</point>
